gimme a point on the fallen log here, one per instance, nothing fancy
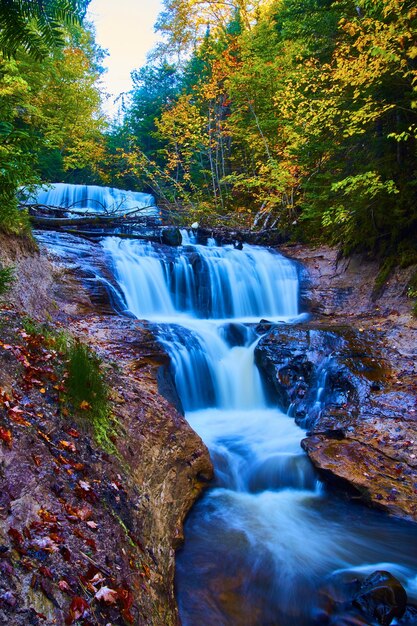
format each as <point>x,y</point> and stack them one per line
<point>89,220</point>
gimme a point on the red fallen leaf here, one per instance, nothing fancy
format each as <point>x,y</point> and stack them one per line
<point>41,615</point>
<point>73,433</point>
<point>125,598</point>
<point>34,582</point>
<point>80,513</point>
<point>64,586</point>
<point>85,406</point>
<point>77,466</point>
<point>45,571</point>
<point>79,534</point>
<point>66,554</point>
<point>18,419</point>
<point>68,445</point>
<point>84,513</point>
<point>15,536</point>
<point>6,436</point>
<point>107,595</point>
<point>26,533</point>
<point>91,543</point>
<point>85,491</point>
<point>78,608</point>
<point>37,460</point>
<point>47,516</point>
<point>127,616</point>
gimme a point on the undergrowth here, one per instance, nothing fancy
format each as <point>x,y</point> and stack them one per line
<point>86,393</point>
<point>87,390</point>
<point>7,279</point>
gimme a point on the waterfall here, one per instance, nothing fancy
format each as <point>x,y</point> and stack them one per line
<point>204,282</point>
<point>264,537</point>
<point>92,198</point>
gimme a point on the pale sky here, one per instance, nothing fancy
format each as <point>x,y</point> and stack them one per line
<point>126,29</point>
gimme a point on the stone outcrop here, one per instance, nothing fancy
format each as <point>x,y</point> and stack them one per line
<point>379,598</point>
<point>362,425</point>
<point>117,516</point>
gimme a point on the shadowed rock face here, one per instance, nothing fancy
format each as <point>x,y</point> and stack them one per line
<point>379,598</point>
<point>336,382</point>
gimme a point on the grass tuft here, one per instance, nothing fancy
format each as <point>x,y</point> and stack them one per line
<point>7,278</point>
<point>87,390</point>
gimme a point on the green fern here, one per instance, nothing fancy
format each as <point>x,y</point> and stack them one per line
<point>36,26</point>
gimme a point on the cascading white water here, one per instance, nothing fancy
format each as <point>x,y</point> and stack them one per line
<point>205,282</point>
<point>261,541</point>
<point>93,198</point>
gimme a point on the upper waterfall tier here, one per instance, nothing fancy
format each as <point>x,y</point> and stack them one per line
<point>204,282</point>
<point>93,198</point>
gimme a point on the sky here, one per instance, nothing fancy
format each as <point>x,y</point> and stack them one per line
<point>126,29</point>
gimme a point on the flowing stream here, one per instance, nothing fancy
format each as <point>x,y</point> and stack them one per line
<point>266,536</point>
<point>92,198</point>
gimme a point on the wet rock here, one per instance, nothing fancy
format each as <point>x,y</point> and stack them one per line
<point>381,597</point>
<point>343,287</point>
<point>410,616</point>
<point>167,387</point>
<point>171,236</point>
<point>326,377</point>
<point>304,362</point>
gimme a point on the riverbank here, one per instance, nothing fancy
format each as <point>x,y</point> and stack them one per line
<point>141,494</point>
<point>371,446</point>
<point>86,532</point>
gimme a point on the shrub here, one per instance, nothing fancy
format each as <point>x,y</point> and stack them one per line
<point>7,278</point>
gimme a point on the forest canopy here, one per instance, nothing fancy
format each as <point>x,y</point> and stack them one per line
<point>294,114</point>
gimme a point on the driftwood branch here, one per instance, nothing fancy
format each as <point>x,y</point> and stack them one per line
<point>89,219</point>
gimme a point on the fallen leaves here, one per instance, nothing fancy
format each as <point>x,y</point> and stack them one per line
<point>64,586</point>
<point>107,595</point>
<point>6,436</point>
<point>50,546</point>
<point>73,433</point>
<point>79,608</point>
<point>68,445</point>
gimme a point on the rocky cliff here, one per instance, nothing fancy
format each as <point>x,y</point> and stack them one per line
<point>86,532</point>
<point>349,376</point>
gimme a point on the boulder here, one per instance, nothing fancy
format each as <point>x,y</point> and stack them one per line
<point>381,597</point>
<point>171,237</point>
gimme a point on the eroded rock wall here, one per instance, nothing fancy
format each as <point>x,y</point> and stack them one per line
<point>74,518</point>
<point>362,430</point>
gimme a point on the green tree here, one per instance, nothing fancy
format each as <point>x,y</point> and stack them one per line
<point>37,26</point>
